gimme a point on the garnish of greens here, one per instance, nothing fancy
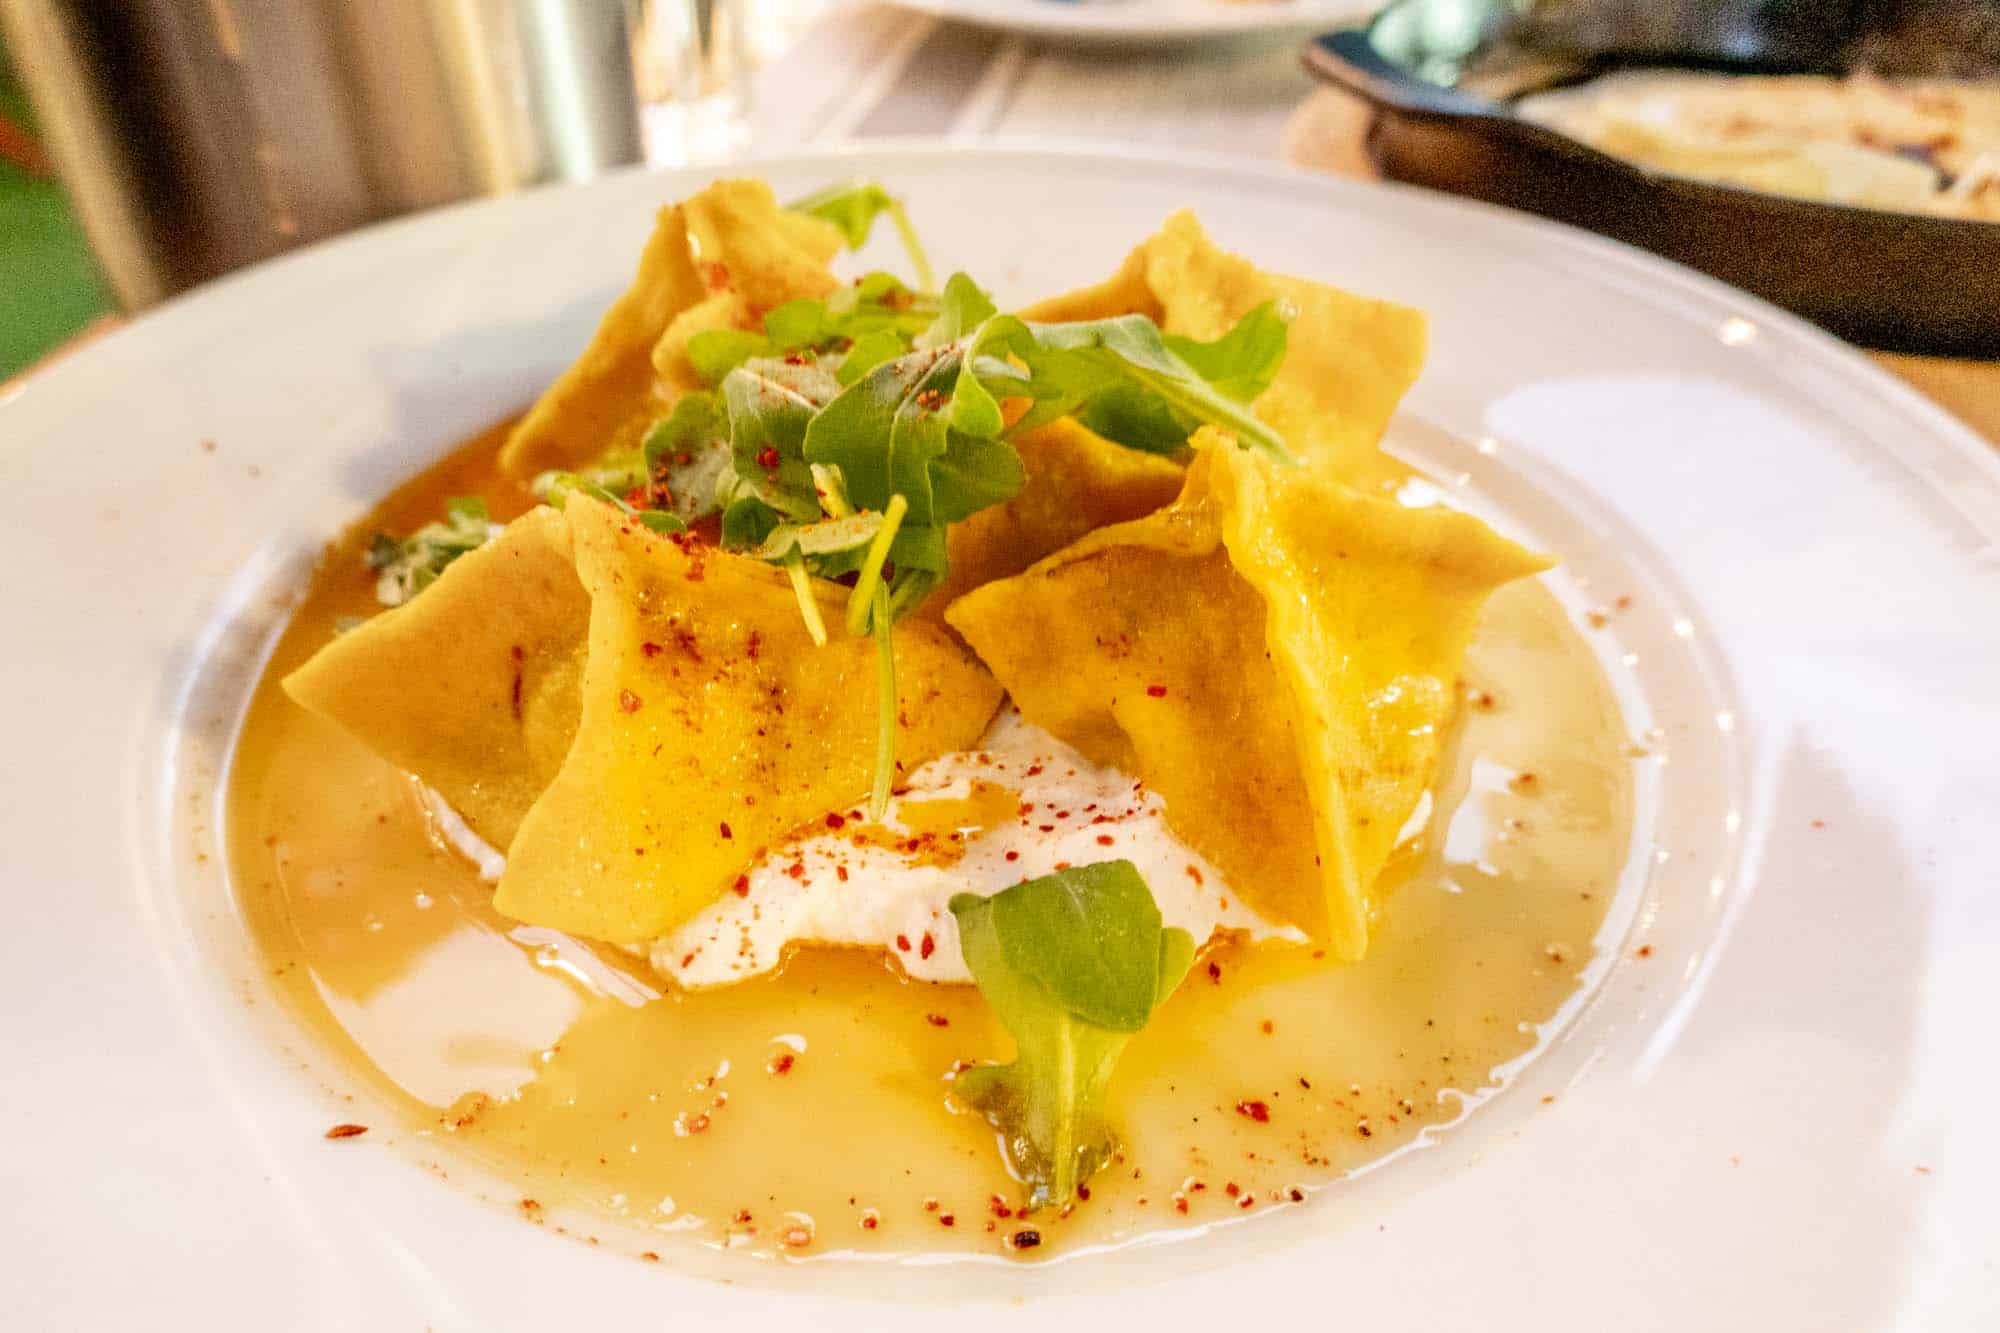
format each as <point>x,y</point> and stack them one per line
<point>1073,964</point>
<point>405,567</point>
<point>842,439</point>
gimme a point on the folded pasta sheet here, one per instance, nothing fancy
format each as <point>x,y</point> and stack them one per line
<point>711,727</point>
<point>720,259</point>
<point>1075,482</point>
<point>1350,360</point>
<point>472,686</point>
<point>1275,654</point>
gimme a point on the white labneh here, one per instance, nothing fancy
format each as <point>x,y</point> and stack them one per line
<point>1031,805</point>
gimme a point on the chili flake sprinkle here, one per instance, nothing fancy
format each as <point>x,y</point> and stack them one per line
<point>1258,1111</point>
<point>346,1131</point>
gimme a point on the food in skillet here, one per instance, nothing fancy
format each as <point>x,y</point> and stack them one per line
<point>1909,146</point>
<point>1053,652</point>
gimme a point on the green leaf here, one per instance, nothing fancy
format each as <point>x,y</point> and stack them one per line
<point>1073,963</point>
<point>883,431</point>
<point>962,307</point>
<point>1241,363</point>
<point>715,352</point>
<point>798,324</point>
<point>1118,377</point>
<point>689,450</point>
<point>829,536</point>
<point>869,351</point>
<point>854,207</point>
<point>972,474</point>
<point>771,404</point>
<point>405,568</point>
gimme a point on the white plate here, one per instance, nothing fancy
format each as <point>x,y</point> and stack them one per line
<point>1776,1120</point>
<point>1146,22</point>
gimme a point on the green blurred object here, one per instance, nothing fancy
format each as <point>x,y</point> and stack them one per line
<point>49,284</point>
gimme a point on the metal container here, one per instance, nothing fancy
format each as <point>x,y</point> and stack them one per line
<point>196,136</point>
<point>1443,83</point>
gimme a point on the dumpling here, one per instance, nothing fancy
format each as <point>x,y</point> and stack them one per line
<point>1275,654</point>
<point>1350,359</point>
<point>472,686</point>
<point>720,259</point>
<point>712,726</point>
<point>1075,482</point>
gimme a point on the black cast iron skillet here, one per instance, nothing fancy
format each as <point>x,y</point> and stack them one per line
<point>1443,119</point>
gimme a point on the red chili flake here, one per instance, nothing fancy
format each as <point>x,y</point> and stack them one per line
<point>869,1221</point>
<point>1062,865</point>
<point>797,870</point>
<point>725,831</point>
<point>1295,1194</point>
<point>767,457</point>
<point>782,1062</point>
<point>1034,770</point>
<point>629,702</point>
<point>797,358</point>
<point>742,886</point>
<point>1013,856</point>
<point>1180,1203</point>
<point>1025,1239</point>
<point>1364,1131</point>
<point>903,943</point>
<point>947,1220</point>
<point>1257,1111</point>
<point>927,946</point>
<point>1522,782</point>
<point>1194,875</point>
<point>346,1131</point>
<point>1083,1192</point>
<point>1246,1201</point>
<point>1232,1189</point>
<point>1597,619</point>
<point>651,649</point>
<point>1105,840</point>
<point>930,1205</point>
<point>999,1207</point>
<point>1156,691</point>
<point>1215,971</point>
<point>1819,823</point>
<point>937,1020</point>
<point>1267,1027</point>
<point>840,873</point>
<point>1624,603</point>
<point>836,820</point>
<point>1645,951</point>
<point>698,1124</point>
<point>1046,828</point>
<point>755,645</point>
<point>650,1256</point>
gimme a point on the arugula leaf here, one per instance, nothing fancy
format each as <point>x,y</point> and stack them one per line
<point>771,405</point>
<point>830,536</point>
<point>1119,378</point>
<point>406,567</point>
<point>688,451</point>
<point>555,489</point>
<point>1241,363</point>
<point>715,352</point>
<point>1073,964</point>
<point>962,307</point>
<point>854,207</point>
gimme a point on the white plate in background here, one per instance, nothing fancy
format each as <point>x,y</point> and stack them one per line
<point>1778,1119</point>
<point>1147,22</point>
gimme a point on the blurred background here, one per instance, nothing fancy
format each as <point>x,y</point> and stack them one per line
<point>149,146</point>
